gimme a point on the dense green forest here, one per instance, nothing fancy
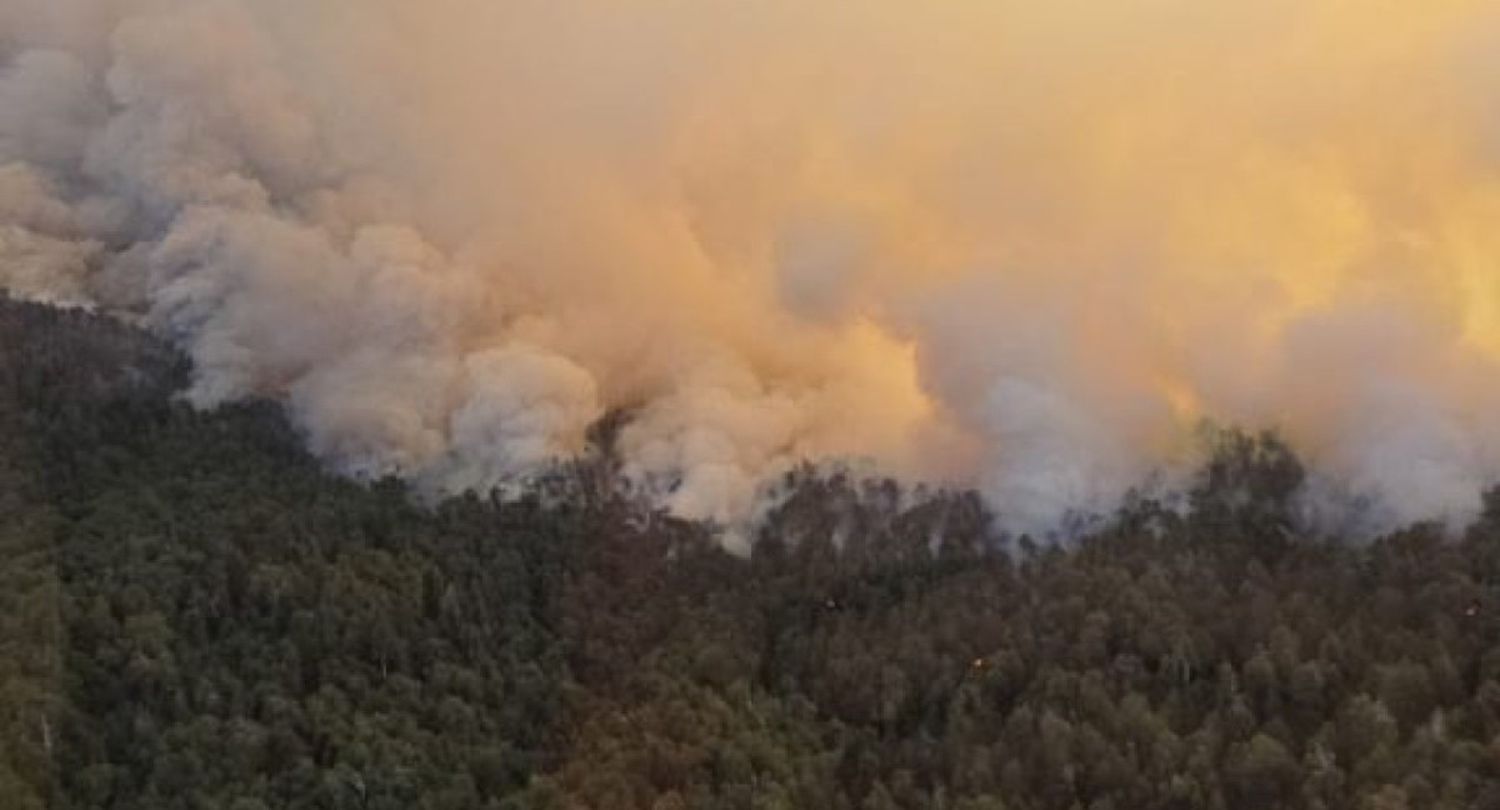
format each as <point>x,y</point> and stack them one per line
<point>194,615</point>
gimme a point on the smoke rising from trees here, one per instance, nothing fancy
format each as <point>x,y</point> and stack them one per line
<point>1025,247</point>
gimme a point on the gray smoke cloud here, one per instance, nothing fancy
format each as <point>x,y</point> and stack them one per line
<point>1020,248</point>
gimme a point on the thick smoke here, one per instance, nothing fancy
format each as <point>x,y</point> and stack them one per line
<point>1025,246</point>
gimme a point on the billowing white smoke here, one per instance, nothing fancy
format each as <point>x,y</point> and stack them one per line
<point>1018,245</point>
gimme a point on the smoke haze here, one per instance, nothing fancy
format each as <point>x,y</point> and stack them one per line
<point>1022,246</point>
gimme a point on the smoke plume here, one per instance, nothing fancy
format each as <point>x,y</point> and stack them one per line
<point>1016,245</point>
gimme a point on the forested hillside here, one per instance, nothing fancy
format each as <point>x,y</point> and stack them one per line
<point>194,615</point>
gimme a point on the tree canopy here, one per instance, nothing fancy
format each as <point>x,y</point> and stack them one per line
<point>195,615</point>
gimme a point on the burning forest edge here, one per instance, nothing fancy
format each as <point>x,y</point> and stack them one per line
<point>198,615</point>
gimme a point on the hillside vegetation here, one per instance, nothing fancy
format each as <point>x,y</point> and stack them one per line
<point>195,616</point>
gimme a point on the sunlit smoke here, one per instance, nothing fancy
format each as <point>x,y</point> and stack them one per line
<point>1022,246</point>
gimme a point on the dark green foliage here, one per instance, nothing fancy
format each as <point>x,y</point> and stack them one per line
<point>194,615</point>
<point>241,629</point>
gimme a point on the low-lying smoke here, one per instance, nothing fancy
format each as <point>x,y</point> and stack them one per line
<point>1023,246</point>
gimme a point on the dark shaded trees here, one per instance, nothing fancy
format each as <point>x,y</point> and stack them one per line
<point>194,615</point>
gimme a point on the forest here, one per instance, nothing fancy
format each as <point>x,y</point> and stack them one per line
<point>195,615</point>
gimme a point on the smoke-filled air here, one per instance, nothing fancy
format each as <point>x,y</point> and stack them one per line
<point>1025,247</point>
